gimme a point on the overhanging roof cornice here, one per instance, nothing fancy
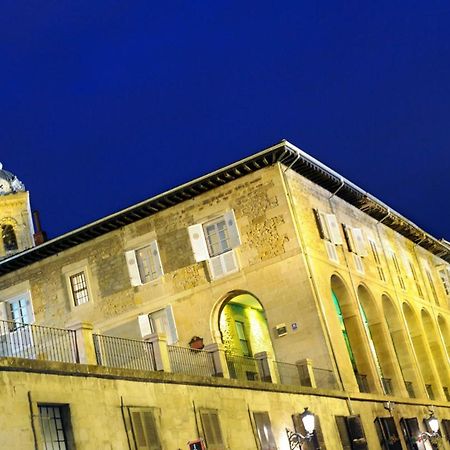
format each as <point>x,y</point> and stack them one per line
<point>285,153</point>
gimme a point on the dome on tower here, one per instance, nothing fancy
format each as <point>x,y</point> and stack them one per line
<point>9,183</point>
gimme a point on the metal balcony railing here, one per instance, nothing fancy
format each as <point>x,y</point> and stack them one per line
<point>362,382</point>
<point>410,389</point>
<point>29,341</point>
<point>123,353</point>
<point>291,374</point>
<point>387,385</point>
<point>191,361</point>
<point>325,379</point>
<point>243,367</point>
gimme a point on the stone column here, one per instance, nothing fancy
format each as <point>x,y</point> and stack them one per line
<point>84,342</point>
<point>306,372</point>
<point>160,351</point>
<point>219,359</point>
<point>267,367</point>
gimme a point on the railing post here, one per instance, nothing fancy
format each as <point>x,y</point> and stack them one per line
<point>219,359</point>
<point>266,365</point>
<point>84,342</point>
<point>160,351</point>
<point>306,372</point>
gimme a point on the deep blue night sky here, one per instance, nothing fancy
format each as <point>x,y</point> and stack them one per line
<point>107,103</point>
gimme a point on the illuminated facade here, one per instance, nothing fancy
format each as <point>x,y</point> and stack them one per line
<point>265,287</point>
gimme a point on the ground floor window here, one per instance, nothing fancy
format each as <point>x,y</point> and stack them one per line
<point>55,426</point>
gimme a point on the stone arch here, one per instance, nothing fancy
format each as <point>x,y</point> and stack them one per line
<point>445,333</point>
<point>399,339</point>
<point>240,323</point>
<point>437,353</point>
<point>353,332</point>
<point>380,345</point>
<point>420,349</point>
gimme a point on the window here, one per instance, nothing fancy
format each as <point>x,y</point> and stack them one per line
<point>215,242</point>
<point>444,275</point>
<point>351,433</point>
<point>144,264</point>
<point>376,258</point>
<point>388,434</point>
<point>79,288</point>
<point>264,431</point>
<point>144,428</point>
<point>9,239</point>
<point>411,431</point>
<point>55,427</point>
<point>242,336</point>
<point>328,228</point>
<point>398,271</point>
<point>161,321</point>
<point>416,279</point>
<point>433,289</point>
<point>211,429</point>
<point>354,239</point>
<point>17,310</point>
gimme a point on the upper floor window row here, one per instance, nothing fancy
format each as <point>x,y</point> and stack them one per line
<point>212,241</point>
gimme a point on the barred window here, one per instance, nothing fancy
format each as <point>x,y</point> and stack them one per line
<point>78,285</point>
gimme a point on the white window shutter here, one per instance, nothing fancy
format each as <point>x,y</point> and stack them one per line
<point>333,227</point>
<point>133,268</point>
<point>233,232</point>
<point>172,335</point>
<point>229,262</point>
<point>4,328</point>
<point>156,259</point>
<point>144,325</point>
<point>198,242</point>
<point>215,267</point>
<point>30,309</point>
<point>358,240</point>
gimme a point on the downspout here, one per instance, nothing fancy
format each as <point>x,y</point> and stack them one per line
<point>315,290</point>
<point>337,190</point>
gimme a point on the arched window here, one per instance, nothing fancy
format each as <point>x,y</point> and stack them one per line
<point>9,238</point>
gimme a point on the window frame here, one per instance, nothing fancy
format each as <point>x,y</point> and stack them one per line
<point>66,423</point>
<point>211,444</point>
<point>73,270</point>
<point>131,427</point>
<point>135,261</point>
<point>269,443</point>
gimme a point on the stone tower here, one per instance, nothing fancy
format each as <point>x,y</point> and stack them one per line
<point>16,223</point>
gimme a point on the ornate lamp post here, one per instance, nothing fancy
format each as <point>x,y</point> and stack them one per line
<point>433,423</point>
<point>296,440</point>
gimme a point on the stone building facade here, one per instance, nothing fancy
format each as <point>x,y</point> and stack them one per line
<point>274,262</point>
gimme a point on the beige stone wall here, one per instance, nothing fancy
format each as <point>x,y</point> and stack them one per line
<point>430,315</point>
<point>270,268</point>
<point>95,397</point>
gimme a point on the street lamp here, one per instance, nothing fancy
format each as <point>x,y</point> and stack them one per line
<point>433,424</point>
<point>296,440</point>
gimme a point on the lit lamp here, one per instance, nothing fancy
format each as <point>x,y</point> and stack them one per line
<point>296,440</point>
<point>433,424</point>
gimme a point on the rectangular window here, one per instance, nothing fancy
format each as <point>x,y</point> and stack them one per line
<point>377,259</point>
<point>145,430</point>
<point>215,242</point>
<point>55,427</point>
<point>416,279</point>
<point>433,289</point>
<point>398,271</point>
<point>78,285</point>
<point>328,228</point>
<point>388,434</point>
<point>264,431</point>
<point>211,429</point>
<point>359,265</point>
<point>445,279</point>
<point>240,330</point>
<point>411,432</point>
<point>351,433</point>
<point>144,264</point>
<point>161,321</point>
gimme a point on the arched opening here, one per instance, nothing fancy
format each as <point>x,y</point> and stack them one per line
<point>435,347</point>
<point>443,327</point>
<point>352,332</point>
<point>243,325</point>
<point>420,349</point>
<point>9,238</point>
<point>382,353</point>
<point>401,347</point>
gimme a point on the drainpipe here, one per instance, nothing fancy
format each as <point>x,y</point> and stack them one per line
<point>337,190</point>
